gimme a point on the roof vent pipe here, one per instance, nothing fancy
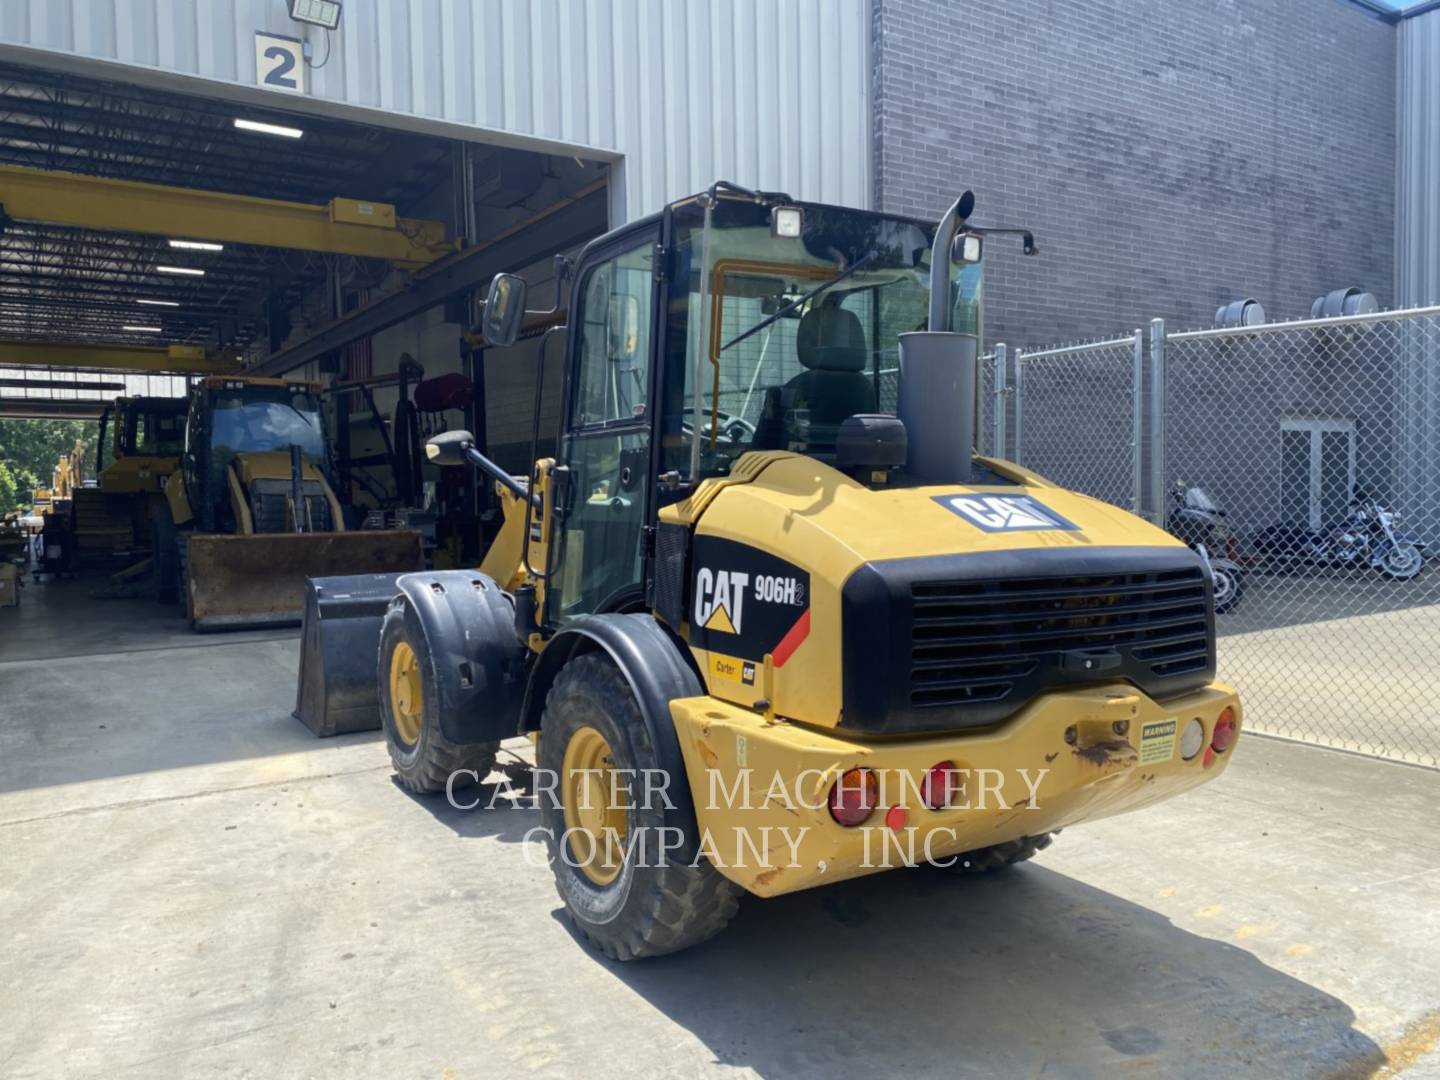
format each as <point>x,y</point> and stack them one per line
<point>1351,301</point>
<point>1247,312</point>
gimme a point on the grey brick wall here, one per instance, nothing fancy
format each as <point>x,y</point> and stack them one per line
<point>1169,154</point>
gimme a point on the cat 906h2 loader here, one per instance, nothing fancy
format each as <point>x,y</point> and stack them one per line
<point>767,613</point>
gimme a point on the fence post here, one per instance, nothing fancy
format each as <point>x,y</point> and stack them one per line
<point>1137,423</point>
<point>998,447</point>
<point>1157,421</point>
<point>1019,407</point>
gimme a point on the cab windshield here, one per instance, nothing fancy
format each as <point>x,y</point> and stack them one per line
<point>774,341</point>
<point>251,420</point>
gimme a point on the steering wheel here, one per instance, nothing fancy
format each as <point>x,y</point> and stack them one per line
<point>734,429</point>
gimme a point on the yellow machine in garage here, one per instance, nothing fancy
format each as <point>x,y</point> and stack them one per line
<point>250,514</point>
<point>146,438</point>
<point>138,447</point>
<point>773,621</point>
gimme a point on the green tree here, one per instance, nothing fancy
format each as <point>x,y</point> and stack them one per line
<point>29,451</point>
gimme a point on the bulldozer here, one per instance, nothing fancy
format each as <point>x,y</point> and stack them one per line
<point>139,446</point>
<point>250,513</point>
<point>771,620</point>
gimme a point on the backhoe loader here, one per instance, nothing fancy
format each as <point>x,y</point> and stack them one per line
<point>250,514</point>
<point>771,619</point>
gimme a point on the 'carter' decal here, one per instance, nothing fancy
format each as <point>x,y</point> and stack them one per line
<point>1005,513</point>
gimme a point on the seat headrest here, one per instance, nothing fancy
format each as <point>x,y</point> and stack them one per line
<point>831,339</point>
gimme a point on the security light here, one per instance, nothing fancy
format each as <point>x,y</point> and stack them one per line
<point>268,129</point>
<point>197,245</point>
<point>324,13</point>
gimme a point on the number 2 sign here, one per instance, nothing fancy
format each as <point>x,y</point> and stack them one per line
<point>280,63</point>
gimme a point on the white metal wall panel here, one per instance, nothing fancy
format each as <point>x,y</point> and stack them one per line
<point>768,93</point>
<point>1417,205</point>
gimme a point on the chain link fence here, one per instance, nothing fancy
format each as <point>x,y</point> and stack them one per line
<point>1305,458</point>
<point>1075,416</point>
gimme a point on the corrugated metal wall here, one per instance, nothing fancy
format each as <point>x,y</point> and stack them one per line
<point>1417,203</point>
<point>771,93</point>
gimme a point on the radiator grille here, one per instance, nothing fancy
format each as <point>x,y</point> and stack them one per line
<point>975,642</point>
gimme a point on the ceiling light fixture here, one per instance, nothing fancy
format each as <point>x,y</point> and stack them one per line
<point>142,329</point>
<point>180,270</point>
<point>197,245</point>
<point>268,129</point>
<point>158,303</point>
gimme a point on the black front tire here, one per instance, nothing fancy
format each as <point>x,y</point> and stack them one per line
<point>425,763</point>
<point>653,906</point>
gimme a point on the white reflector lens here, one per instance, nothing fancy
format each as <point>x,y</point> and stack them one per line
<point>1192,739</point>
<point>785,222</point>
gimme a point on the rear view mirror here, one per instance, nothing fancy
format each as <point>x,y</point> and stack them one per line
<point>504,310</point>
<point>448,448</point>
<point>968,249</point>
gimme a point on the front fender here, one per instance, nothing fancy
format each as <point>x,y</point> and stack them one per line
<point>657,670</point>
<point>476,658</point>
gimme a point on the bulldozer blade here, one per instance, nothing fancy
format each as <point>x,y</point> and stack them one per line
<point>339,645</point>
<point>252,581</point>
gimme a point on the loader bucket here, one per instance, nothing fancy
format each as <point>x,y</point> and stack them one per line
<point>338,690</point>
<point>258,580</point>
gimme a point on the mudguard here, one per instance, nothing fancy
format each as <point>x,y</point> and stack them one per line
<point>655,666</point>
<point>478,662</point>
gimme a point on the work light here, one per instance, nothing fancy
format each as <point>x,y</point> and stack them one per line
<point>324,13</point>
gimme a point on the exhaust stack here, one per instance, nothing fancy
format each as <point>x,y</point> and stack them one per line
<point>938,374</point>
<point>937,404</point>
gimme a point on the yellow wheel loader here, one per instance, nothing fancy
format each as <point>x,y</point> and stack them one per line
<point>772,621</point>
<point>250,514</point>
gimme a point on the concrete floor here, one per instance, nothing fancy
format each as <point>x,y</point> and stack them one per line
<point>1341,659</point>
<point>190,885</point>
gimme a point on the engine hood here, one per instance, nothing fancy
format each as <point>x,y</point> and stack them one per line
<point>773,546</point>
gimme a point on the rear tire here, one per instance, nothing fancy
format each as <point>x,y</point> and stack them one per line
<point>632,908</point>
<point>998,856</point>
<point>424,759</point>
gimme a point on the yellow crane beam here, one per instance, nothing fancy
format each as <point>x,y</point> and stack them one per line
<point>173,359</point>
<point>341,227</point>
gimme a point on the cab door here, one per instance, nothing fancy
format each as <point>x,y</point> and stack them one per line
<point>598,562</point>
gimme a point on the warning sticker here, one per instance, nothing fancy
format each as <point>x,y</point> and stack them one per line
<point>1157,741</point>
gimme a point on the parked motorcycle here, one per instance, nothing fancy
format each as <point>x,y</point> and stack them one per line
<point>1365,538</point>
<point>1195,519</point>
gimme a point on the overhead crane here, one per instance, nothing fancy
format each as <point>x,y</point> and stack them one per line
<point>340,227</point>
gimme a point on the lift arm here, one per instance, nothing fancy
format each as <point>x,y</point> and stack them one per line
<point>175,359</point>
<point>341,227</point>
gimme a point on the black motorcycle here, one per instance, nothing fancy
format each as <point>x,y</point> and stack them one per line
<point>1195,519</point>
<point>1365,538</point>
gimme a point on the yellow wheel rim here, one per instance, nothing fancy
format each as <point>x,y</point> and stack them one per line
<point>406,700</point>
<point>596,814</point>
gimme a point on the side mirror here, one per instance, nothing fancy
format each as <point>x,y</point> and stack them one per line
<point>968,249</point>
<point>504,310</point>
<point>448,448</point>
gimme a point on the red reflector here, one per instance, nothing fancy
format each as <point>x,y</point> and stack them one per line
<point>896,818</point>
<point>1224,731</point>
<point>1209,758</point>
<point>940,785</point>
<point>854,796</point>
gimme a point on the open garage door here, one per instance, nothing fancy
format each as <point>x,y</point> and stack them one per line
<point>155,244</point>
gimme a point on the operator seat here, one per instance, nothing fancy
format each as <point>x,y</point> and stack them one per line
<point>831,346</point>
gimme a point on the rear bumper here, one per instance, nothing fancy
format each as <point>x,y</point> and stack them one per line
<point>761,789</point>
